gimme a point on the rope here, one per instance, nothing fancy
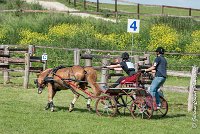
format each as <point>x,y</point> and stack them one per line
<point>73,91</point>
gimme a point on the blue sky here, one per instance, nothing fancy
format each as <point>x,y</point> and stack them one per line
<point>180,3</point>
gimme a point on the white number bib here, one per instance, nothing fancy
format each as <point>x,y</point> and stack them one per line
<point>130,65</point>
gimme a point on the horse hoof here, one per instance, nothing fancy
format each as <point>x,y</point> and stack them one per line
<point>52,110</point>
<point>46,108</point>
<point>89,109</point>
<point>71,109</point>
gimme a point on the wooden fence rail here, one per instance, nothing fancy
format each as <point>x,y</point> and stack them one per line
<point>116,14</point>
<point>96,5</point>
<point>6,60</point>
<point>25,63</point>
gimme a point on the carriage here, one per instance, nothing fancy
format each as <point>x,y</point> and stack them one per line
<point>130,97</point>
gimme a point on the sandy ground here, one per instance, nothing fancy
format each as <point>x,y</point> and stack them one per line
<point>61,7</point>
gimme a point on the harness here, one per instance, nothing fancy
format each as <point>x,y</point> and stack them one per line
<point>66,82</point>
<point>50,79</point>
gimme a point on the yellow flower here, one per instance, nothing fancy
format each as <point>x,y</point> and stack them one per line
<point>28,37</point>
<point>165,36</point>
<point>63,30</point>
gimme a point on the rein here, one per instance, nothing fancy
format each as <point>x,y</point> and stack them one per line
<point>68,81</point>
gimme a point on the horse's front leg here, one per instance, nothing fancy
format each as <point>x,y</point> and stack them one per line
<point>71,106</point>
<point>51,94</point>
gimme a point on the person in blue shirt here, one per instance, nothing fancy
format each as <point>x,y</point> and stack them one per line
<point>125,65</point>
<point>160,66</point>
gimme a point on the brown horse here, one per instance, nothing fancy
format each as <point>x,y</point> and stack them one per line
<point>74,78</point>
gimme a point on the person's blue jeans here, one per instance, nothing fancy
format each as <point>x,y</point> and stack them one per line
<point>155,85</point>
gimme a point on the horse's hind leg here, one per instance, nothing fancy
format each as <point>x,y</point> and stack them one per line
<point>71,106</point>
<point>88,104</point>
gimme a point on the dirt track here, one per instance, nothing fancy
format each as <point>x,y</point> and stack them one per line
<point>61,7</point>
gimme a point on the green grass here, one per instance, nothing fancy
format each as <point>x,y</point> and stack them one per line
<point>17,4</point>
<point>22,112</point>
<point>177,81</point>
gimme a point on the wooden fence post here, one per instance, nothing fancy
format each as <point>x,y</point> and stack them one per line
<point>162,9</point>
<point>31,51</point>
<point>136,60</point>
<point>26,71</point>
<point>97,5</point>
<point>74,3</point>
<point>5,72</point>
<point>88,61</point>
<point>192,87</point>
<point>84,4</point>
<point>190,12</point>
<point>147,61</point>
<point>141,63</point>
<point>76,56</point>
<point>115,5</point>
<point>138,11</point>
<point>104,72</point>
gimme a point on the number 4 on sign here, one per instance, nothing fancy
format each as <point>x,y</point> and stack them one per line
<point>133,26</point>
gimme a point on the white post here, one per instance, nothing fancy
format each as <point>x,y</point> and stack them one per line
<point>104,72</point>
<point>76,56</point>
<point>26,71</point>
<point>147,61</point>
<point>136,60</point>
<point>31,50</point>
<point>5,72</point>
<point>88,62</point>
<point>192,87</point>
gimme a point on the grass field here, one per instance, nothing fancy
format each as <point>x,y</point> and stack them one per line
<point>22,111</point>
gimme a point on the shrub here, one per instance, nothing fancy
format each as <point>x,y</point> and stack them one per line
<point>28,37</point>
<point>194,47</point>
<point>62,31</point>
<point>3,1</point>
<point>3,32</point>
<point>124,41</point>
<point>165,36</point>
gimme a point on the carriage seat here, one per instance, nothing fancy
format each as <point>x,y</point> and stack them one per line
<point>131,81</point>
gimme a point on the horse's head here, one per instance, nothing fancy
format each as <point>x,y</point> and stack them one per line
<point>40,81</point>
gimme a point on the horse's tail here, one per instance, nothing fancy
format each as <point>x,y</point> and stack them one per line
<point>91,78</point>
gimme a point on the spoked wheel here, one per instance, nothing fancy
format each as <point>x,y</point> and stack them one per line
<point>142,107</point>
<point>163,109</point>
<point>106,106</point>
<point>123,104</point>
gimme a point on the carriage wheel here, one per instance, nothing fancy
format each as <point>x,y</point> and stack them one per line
<point>142,107</point>
<point>106,106</point>
<point>123,104</point>
<point>164,108</point>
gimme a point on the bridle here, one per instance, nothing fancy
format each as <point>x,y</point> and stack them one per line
<point>44,82</point>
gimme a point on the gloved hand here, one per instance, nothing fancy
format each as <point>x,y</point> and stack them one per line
<point>143,70</point>
<point>104,67</point>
